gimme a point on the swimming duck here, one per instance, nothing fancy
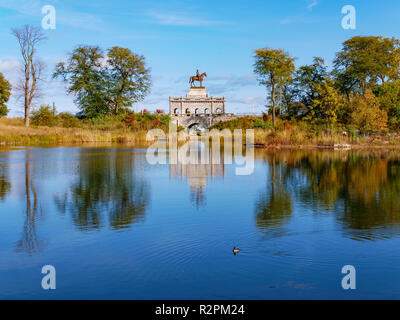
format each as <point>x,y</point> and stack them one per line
<point>235,250</point>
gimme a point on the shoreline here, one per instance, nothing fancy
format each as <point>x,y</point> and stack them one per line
<point>12,135</point>
<point>138,142</point>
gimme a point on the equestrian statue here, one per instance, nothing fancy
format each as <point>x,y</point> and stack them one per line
<point>197,77</point>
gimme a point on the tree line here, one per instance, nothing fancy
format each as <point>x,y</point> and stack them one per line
<point>102,82</point>
<point>362,90</point>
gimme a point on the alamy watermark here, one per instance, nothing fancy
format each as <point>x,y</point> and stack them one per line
<point>349,20</point>
<point>49,280</point>
<point>349,280</point>
<point>49,20</point>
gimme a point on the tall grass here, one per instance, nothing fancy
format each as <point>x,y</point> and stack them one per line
<point>132,128</point>
<point>293,133</point>
<point>13,132</point>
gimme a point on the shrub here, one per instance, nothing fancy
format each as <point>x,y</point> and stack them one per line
<point>3,110</point>
<point>165,119</point>
<point>288,127</point>
<point>68,120</point>
<point>159,111</point>
<point>261,124</point>
<point>107,122</point>
<point>265,116</point>
<point>129,120</point>
<point>44,116</point>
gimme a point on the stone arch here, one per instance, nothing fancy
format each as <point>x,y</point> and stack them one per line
<point>187,111</point>
<point>197,111</point>
<point>218,110</point>
<point>207,111</point>
<point>203,122</point>
<point>176,111</point>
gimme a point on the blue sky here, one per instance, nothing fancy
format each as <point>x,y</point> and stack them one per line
<point>177,37</point>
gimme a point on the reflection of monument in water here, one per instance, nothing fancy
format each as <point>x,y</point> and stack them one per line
<point>202,167</point>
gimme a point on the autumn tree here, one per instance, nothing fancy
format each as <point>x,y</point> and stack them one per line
<point>271,67</point>
<point>366,61</point>
<point>5,92</point>
<point>367,116</point>
<point>29,37</point>
<point>326,103</point>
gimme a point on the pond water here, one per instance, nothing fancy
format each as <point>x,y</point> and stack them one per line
<point>116,227</point>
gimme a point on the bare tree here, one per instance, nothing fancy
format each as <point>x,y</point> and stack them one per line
<point>28,38</point>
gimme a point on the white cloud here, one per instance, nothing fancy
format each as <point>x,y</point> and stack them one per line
<point>11,70</point>
<point>250,100</point>
<point>179,19</point>
<point>8,65</point>
<point>312,4</point>
<point>27,7</point>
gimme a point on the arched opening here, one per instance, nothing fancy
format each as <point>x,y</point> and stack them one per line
<point>196,129</point>
<point>197,111</point>
<point>176,111</point>
<point>207,112</point>
<point>187,111</point>
<point>218,110</point>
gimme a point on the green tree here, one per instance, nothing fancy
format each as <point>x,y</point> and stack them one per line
<point>389,98</point>
<point>128,78</point>
<point>272,66</point>
<point>104,84</point>
<point>366,61</point>
<point>5,92</point>
<point>307,78</point>
<point>85,75</point>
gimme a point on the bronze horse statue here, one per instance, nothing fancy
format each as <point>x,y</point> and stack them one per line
<point>197,78</point>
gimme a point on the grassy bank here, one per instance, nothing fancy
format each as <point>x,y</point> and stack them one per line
<point>297,133</point>
<point>133,128</point>
<point>13,132</point>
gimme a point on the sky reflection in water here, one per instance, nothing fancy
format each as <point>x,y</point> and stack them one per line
<point>116,227</point>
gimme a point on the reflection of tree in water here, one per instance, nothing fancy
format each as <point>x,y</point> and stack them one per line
<point>274,207</point>
<point>362,188</point>
<point>5,185</point>
<point>107,183</point>
<point>29,242</point>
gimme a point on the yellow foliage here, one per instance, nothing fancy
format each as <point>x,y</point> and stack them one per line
<point>366,114</point>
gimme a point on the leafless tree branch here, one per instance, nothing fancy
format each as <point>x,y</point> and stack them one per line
<point>29,38</point>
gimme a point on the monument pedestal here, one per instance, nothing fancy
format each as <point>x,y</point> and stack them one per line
<point>197,92</point>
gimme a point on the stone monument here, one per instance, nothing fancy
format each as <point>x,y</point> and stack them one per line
<point>197,107</point>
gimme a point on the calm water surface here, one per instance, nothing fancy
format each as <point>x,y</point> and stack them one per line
<point>117,227</point>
